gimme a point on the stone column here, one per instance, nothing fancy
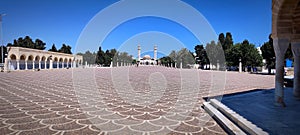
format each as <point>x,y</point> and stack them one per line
<point>57,65</point>
<point>296,53</point>
<point>40,66</point>
<point>33,65</point>
<point>67,64</point>
<point>63,65</point>
<point>181,65</point>
<point>218,65</point>
<point>51,64</point>
<point>74,64</point>
<point>18,64</point>
<point>9,64</point>
<point>280,47</point>
<point>45,64</point>
<point>85,64</point>
<point>6,65</point>
<point>240,65</point>
<point>26,68</point>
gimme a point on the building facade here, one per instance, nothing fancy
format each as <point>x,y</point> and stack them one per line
<point>147,60</point>
<point>19,58</point>
<point>285,31</point>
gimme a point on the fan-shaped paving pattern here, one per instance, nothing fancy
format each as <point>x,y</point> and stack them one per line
<point>45,102</point>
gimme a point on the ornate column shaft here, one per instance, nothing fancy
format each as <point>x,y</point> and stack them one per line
<point>26,65</point>
<point>240,65</point>
<point>6,64</point>
<point>296,53</point>
<point>280,47</point>
<point>40,66</point>
<point>74,64</point>
<point>33,64</point>
<point>18,64</point>
<point>45,64</point>
<point>51,64</point>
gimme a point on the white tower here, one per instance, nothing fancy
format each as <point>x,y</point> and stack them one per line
<point>139,52</point>
<point>155,52</point>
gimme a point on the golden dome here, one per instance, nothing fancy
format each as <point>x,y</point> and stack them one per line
<point>147,57</point>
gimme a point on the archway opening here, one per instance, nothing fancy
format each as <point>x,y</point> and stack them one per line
<point>30,62</point>
<point>22,62</point>
<point>43,63</point>
<point>55,62</point>
<point>37,61</point>
<point>12,65</point>
<point>60,63</point>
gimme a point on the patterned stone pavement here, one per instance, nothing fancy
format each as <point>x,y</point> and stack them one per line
<point>124,100</point>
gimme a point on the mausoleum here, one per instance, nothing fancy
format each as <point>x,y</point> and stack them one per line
<point>147,60</point>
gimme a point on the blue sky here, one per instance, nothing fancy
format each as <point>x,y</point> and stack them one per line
<point>62,21</point>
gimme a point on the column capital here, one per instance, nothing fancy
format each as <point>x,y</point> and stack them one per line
<point>280,46</point>
<point>296,48</point>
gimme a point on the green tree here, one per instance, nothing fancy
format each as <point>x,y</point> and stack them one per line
<point>245,51</point>
<point>65,49</point>
<point>53,48</point>
<point>107,58</point>
<point>222,39</point>
<point>28,43</point>
<point>289,53</point>
<point>39,44</point>
<point>228,43</point>
<point>268,54</point>
<point>88,57</point>
<point>215,53</point>
<point>100,57</point>
<point>234,54</point>
<point>166,61</point>
<point>183,56</point>
<point>201,55</point>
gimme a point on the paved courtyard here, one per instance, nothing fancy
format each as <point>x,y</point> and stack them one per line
<point>124,100</point>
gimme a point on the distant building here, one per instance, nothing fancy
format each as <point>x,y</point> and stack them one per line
<point>147,60</point>
<point>20,58</point>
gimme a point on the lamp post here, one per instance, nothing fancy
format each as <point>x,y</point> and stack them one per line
<point>2,56</point>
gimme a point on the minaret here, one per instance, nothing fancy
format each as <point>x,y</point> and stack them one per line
<point>139,52</point>
<point>155,52</point>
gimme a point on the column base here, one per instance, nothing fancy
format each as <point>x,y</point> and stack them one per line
<point>296,94</point>
<point>280,102</point>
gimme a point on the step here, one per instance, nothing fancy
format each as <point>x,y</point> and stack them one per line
<point>229,126</point>
<point>243,123</point>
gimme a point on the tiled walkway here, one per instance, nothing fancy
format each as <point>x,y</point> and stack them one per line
<point>259,108</point>
<point>124,100</point>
